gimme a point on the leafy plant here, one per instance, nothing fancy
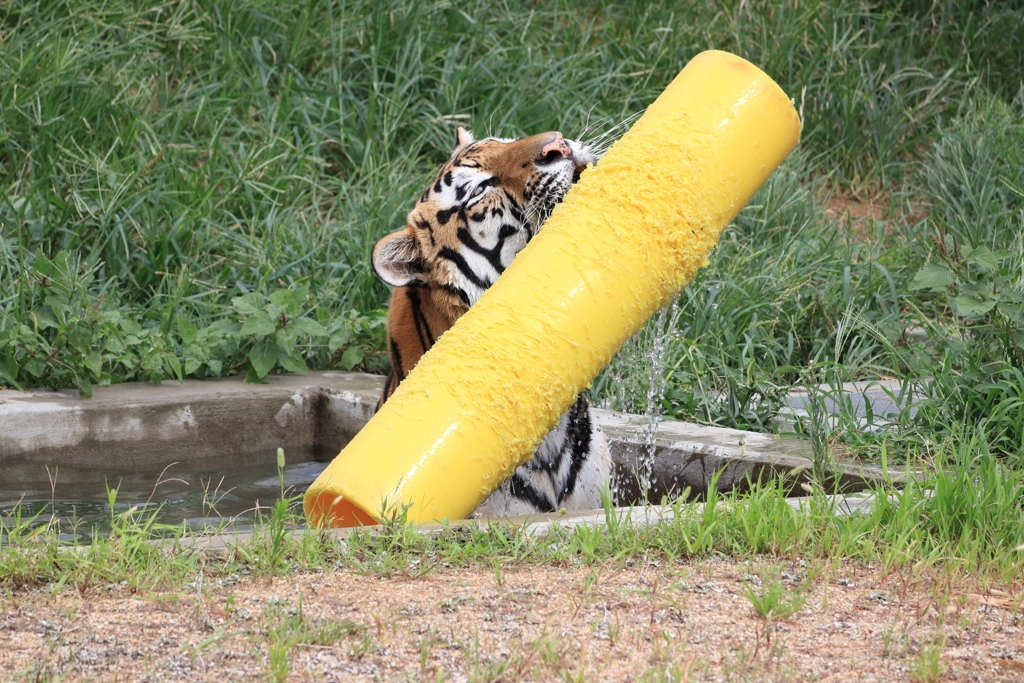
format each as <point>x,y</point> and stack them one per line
<point>75,332</point>
<point>74,335</point>
<point>284,627</point>
<point>362,337</point>
<point>970,294</point>
<point>983,292</point>
<point>276,324</point>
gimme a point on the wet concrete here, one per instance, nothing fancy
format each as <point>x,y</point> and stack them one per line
<point>867,405</point>
<point>687,455</point>
<point>140,427</point>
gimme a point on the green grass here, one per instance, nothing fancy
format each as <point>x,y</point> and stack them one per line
<point>965,517</point>
<point>772,600</point>
<point>185,155</point>
<point>173,169</point>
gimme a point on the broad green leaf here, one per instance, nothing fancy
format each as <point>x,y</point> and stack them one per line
<point>253,377</point>
<point>263,357</point>
<point>981,289</point>
<point>294,364</point>
<point>972,309</point>
<point>171,359</point>
<point>353,356</point>
<point>250,303</point>
<point>986,259</point>
<point>153,362</point>
<point>130,326</point>
<point>44,318</point>
<point>60,261</point>
<point>1013,310</point>
<point>339,339</point>
<point>34,367</point>
<point>56,300</point>
<point>290,300</point>
<point>258,323</point>
<point>186,330</point>
<point>9,371</point>
<point>94,362</point>
<point>286,338</point>
<point>79,335</point>
<point>222,328</point>
<point>84,386</point>
<point>42,264</point>
<point>932,276</point>
<point>275,312</point>
<point>309,327</point>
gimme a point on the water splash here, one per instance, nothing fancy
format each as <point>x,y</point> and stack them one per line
<point>635,383</point>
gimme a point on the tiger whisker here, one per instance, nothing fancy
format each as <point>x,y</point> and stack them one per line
<point>600,144</point>
<point>588,124</point>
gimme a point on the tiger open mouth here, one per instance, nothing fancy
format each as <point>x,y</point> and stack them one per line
<point>581,159</point>
<point>577,171</point>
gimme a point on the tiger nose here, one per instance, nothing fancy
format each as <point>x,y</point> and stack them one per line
<point>556,148</point>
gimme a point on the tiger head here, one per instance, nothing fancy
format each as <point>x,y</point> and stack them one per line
<point>482,208</point>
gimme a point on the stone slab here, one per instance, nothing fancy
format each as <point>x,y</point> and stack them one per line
<point>869,405</point>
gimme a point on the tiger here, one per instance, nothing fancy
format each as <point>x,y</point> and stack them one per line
<point>482,207</point>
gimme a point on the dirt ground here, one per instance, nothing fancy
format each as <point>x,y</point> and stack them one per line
<point>861,216</point>
<point>636,621</point>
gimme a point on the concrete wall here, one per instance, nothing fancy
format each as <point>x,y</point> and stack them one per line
<point>144,427</point>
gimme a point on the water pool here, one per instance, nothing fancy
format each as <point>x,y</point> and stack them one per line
<point>211,493</point>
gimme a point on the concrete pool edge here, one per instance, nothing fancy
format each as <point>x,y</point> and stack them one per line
<point>538,526</point>
<point>136,427</point>
<point>143,427</point>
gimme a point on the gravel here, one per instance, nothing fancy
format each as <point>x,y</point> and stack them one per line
<point>680,621</point>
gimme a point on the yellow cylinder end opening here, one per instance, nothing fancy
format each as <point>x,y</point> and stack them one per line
<point>328,509</point>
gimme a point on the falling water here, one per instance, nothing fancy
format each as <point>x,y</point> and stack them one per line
<point>637,385</point>
<point>655,357</point>
<point>616,399</point>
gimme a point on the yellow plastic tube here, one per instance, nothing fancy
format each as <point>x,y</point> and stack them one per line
<point>628,236</point>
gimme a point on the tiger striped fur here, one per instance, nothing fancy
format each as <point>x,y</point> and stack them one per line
<point>482,208</point>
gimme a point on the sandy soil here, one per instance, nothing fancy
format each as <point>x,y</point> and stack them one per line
<point>636,621</point>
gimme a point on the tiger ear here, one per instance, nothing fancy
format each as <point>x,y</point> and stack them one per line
<point>398,261</point>
<point>463,137</point>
